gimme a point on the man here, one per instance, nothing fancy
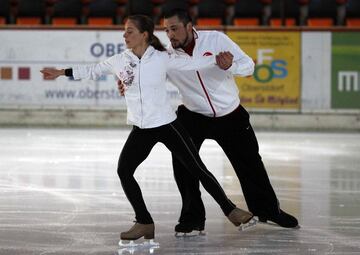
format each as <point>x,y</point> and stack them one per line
<point>211,110</point>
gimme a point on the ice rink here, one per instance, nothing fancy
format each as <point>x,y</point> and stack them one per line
<point>60,194</point>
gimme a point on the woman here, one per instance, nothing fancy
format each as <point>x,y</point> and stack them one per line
<point>142,68</point>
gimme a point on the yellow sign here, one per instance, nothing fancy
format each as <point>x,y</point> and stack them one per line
<point>275,83</point>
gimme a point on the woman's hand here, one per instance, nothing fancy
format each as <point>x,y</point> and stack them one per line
<point>52,73</point>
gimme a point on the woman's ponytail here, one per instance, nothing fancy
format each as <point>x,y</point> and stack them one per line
<point>155,42</point>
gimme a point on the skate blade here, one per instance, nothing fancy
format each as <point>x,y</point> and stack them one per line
<point>146,247</point>
<point>191,234</point>
<point>249,225</point>
<point>138,243</point>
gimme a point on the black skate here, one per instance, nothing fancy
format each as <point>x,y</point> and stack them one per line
<point>187,229</point>
<point>283,219</point>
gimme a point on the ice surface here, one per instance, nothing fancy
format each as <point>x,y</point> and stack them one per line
<point>60,194</point>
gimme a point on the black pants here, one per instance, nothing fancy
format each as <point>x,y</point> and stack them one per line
<point>176,139</point>
<point>236,137</point>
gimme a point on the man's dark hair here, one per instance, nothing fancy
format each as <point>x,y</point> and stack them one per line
<point>182,14</point>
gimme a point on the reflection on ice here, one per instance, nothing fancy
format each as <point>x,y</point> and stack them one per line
<point>144,247</point>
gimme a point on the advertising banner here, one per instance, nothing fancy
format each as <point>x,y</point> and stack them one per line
<point>276,80</point>
<point>345,80</point>
<point>23,53</point>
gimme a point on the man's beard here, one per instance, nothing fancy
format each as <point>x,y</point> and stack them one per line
<point>183,45</point>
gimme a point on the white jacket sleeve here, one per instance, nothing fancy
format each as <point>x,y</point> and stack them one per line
<point>242,65</point>
<point>94,72</point>
<point>186,63</point>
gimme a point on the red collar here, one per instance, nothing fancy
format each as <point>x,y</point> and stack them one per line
<point>190,47</point>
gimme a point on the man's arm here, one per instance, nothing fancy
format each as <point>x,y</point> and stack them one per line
<point>185,63</point>
<point>242,64</point>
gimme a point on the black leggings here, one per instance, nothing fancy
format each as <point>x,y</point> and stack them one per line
<point>236,137</point>
<point>176,139</point>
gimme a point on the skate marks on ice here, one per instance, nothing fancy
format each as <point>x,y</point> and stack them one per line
<point>71,210</point>
<point>134,246</point>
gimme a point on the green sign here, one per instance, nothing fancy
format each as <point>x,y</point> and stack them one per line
<point>345,75</point>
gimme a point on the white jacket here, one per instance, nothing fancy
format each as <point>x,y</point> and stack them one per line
<point>148,104</point>
<point>212,91</point>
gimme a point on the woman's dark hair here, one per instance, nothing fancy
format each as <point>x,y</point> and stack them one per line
<point>145,24</point>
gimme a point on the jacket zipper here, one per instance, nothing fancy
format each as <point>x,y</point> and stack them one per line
<point>141,101</point>
<point>206,94</point>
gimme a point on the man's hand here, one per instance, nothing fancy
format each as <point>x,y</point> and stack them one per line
<point>52,73</point>
<point>224,60</point>
<point>121,87</point>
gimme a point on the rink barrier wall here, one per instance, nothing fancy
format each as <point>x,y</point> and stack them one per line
<point>302,92</point>
<point>310,121</point>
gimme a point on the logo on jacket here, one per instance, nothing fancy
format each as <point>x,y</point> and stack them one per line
<point>127,75</point>
<point>207,54</point>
